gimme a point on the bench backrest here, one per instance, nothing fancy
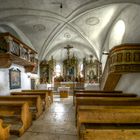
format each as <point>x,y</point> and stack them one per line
<point>97,91</point>
<point>109,114</point>
<point>31,99</point>
<point>18,111</point>
<point>108,101</point>
<point>105,95</point>
<point>50,93</point>
<point>86,95</point>
<point>34,101</point>
<point>37,90</point>
<point>43,95</point>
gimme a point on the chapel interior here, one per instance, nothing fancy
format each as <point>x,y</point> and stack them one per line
<point>69,70</point>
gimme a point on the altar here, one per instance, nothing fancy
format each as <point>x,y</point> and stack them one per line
<point>71,85</point>
<point>64,91</point>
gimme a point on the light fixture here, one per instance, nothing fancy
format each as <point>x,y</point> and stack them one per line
<point>29,75</point>
<point>105,53</point>
<point>58,3</point>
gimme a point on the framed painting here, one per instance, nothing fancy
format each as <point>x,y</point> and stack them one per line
<point>15,78</point>
<point>15,48</point>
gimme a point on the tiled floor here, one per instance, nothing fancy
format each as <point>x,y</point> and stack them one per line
<point>57,123</point>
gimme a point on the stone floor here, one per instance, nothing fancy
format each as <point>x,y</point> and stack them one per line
<point>57,123</point>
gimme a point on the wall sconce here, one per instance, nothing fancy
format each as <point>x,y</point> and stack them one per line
<point>29,75</point>
<point>105,53</point>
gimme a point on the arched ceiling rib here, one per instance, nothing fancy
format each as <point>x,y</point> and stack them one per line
<point>77,31</point>
<point>61,53</point>
<point>42,23</point>
<point>19,13</point>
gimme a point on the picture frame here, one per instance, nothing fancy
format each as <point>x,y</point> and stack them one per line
<point>15,78</point>
<point>35,71</point>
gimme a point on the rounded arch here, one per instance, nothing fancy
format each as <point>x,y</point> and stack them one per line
<point>9,27</point>
<point>83,50</point>
<point>117,34</point>
<point>6,28</point>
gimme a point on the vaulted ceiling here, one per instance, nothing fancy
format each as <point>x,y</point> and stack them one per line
<point>90,26</point>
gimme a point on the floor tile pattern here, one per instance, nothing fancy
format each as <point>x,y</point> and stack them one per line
<point>56,123</point>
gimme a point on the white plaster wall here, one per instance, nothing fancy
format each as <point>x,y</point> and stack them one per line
<point>4,80</point>
<point>103,61</point>
<point>129,83</point>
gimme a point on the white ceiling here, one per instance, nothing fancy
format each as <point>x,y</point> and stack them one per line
<point>87,25</point>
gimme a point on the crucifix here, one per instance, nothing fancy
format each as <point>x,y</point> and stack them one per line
<point>68,62</point>
<point>68,47</point>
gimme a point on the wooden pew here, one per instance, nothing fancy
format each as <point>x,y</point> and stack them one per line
<point>17,114</point>
<point>105,95</point>
<point>34,101</point>
<point>50,93</point>
<point>106,101</point>
<point>94,91</point>
<point>98,91</point>
<point>43,95</point>
<point>125,95</point>
<point>109,122</point>
<point>4,131</point>
<point>109,132</point>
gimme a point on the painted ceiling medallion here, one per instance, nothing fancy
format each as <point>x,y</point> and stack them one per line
<point>39,27</point>
<point>67,35</point>
<point>92,21</point>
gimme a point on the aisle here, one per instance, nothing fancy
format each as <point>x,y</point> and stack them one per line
<point>58,123</point>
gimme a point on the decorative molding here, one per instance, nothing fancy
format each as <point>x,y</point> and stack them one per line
<point>122,59</point>
<point>92,21</point>
<point>67,35</point>
<point>15,51</point>
<point>39,27</point>
<point>125,58</point>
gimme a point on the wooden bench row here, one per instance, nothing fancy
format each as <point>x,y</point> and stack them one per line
<point>19,108</point>
<point>17,114</point>
<point>43,95</point>
<point>49,92</point>
<point>107,101</point>
<point>124,95</point>
<point>104,117</point>
<point>34,102</point>
<point>4,131</point>
<point>109,122</point>
<point>98,93</point>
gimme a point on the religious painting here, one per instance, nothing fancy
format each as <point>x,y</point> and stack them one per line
<point>15,78</point>
<point>71,71</point>
<point>35,71</point>
<point>15,48</point>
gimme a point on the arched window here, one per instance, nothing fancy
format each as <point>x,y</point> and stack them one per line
<point>81,67</point>
<point>117,34</point>
<point>58,70</point>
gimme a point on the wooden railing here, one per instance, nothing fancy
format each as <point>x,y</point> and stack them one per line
<point>15,51</point>
<point>122,59</point>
